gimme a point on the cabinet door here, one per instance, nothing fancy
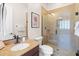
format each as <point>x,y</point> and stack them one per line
<point>33,52</point>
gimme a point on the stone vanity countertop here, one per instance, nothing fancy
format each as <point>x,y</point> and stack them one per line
<point>6,51</point>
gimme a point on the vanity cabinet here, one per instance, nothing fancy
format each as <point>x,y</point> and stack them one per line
<point>32,52</point>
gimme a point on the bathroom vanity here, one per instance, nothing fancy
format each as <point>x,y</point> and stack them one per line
<point>32,50</point>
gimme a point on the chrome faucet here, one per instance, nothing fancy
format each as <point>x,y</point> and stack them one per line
<point>15,37</point>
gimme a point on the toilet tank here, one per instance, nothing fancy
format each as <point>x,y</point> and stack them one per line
<point>39,39</point>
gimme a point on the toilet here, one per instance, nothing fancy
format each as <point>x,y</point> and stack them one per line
<point>44,50</point>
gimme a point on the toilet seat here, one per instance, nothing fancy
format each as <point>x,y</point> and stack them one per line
<point>46,49</point>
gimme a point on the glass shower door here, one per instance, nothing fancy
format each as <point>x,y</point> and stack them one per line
<point>63,34</point>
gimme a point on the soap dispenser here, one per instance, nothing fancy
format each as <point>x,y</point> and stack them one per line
<point>23,39</point>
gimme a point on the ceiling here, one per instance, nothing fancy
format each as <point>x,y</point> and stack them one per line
<point>51,6</point>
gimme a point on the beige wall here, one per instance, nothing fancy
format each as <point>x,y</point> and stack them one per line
<point>45,24</point>
<point>49,23</point>
<point>52,27</point>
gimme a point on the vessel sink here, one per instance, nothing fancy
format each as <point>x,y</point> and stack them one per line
<point>20,46</point>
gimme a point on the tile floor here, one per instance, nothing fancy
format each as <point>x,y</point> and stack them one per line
<point>60,51</point>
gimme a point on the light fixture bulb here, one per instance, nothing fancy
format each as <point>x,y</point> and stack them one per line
<point>53,14</point>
